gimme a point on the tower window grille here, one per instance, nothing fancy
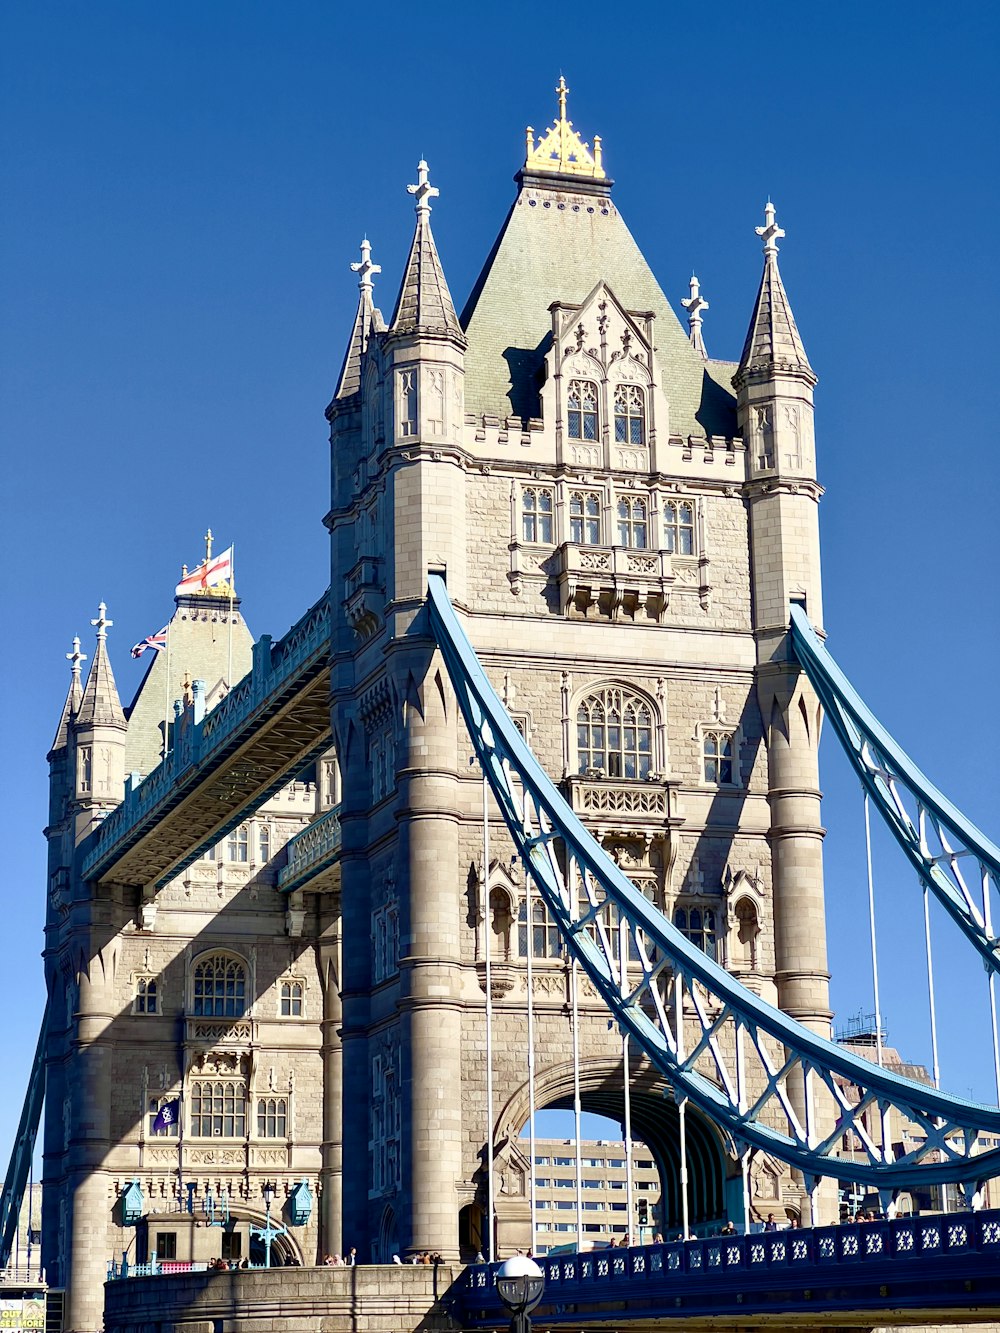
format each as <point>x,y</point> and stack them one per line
<point>630,414</point>
<point>291,999</point>
<point>581,410</point>
<point>408,402</point>
<point>633,522</point>
<point>678,528</point>
<point>272,1118</point>
<point>218,1109</point>
<point>718,757</point>
<point>536,514</point>
<point>614,732</point>
<point>585,518</point>
<point>220,987</point>
<point>545,939</point>
<point>146,996</point>
<point>697,924</point>
<point>239,844</point>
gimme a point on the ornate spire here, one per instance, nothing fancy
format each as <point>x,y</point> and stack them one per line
<point>773,342</point>
<point>424,304</point>
<point>100,705</point>
<point>560,150</point>
<point>350,372</point>
<point>73,696</point>
<point>694,305</point>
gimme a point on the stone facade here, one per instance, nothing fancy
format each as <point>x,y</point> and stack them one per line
<point>621,532</point>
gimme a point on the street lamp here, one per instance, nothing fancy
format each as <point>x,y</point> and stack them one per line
<point>267,1232</point>
<point>520,1283</point>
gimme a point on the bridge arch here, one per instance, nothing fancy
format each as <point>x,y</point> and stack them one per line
<point>655,1121</point>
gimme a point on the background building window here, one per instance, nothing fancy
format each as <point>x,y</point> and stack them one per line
<point>232,1245</point>
<point>718,754</point>
<point>630,415</point>
<point>536,514</point>
<point>581,414</point>
<point>239,844</point>
<point>218,1110</point>
<point>585,518</point>
<point>145,996</point>
<point>614,732</point>
<point>220,988</point>
<point>291,999</point>
<point>545,939</point>
<point>678,528</point>
<point>633,526</point>
<point>697,924</point>
<point>272,1118</point>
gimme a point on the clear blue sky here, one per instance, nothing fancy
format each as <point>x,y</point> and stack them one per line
<point>184,186</point>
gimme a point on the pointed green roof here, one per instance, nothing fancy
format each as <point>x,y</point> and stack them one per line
<point>560,239</point>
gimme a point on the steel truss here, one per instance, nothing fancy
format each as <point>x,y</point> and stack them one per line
<point>936,837</point>
<point>19,1167</point>
<point>766,1080</point>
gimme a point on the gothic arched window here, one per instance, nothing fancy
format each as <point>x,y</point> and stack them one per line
<point>536,514</point>
<point>239,844</point>
<point>630,414</point>
<point>633,526</point>
<point>545,940</point>
<point>719,752</point>
<point>218,1109</point>
<point>678,527</point>
<point>272,1117</point>
<point>220,987</point>
<point>614,732</point>
<point>697,924</point>
<point>585,518</point>
<point>581,410</point>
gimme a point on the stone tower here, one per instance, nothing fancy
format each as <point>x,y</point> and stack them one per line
<point>621,548</point>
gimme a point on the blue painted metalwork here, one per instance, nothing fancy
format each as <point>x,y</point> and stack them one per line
<point>279,670</point>
<point>312,851</point>
<point>19,1168</point>
<point>770,1082</point>
<point>133,1202</point>
<point>938,1262</point>
<point>935,836</point>
<point>300,1203</point>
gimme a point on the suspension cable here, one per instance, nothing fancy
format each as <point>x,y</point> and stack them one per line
<point>488,926</point>
<point>530,945</point>
<point>935,1067</point>
<point>575,1019</point>
<point>871,927</point>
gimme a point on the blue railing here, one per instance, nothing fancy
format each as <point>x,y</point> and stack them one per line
<point>644,1276</point>
<point>314,849</point>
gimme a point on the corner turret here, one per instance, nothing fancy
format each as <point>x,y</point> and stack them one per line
<point>99,732</point>
<point>367,319</point>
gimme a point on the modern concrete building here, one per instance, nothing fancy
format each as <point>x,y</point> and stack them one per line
<point>622,521</point>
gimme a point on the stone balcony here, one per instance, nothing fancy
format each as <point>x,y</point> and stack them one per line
<point>646,808</point>
<point>614,581</point>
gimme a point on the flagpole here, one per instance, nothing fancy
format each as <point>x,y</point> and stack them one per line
<point>232,599</point>
<point>166,697</point>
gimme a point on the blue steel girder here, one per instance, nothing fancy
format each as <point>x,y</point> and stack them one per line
<point>19,1168</point>
<point>956,862</point>
<point>768,1081</point>
<point>274,722</point>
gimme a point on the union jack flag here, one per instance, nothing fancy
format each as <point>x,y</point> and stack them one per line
<point>155,641</point>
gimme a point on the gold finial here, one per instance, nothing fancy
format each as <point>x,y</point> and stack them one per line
<point>208,545</point>
<point>560,149</point>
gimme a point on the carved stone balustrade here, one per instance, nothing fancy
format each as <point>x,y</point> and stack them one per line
<point>364,596</point>
<point>614,581</point>
<point>631,807</point>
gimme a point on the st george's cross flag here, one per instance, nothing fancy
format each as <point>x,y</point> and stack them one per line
<point>167,1116</point>
<point>219,569</point>
<point>155,641</point>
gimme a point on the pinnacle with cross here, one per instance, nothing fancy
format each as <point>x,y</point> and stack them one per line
<point>366,268</point>
<point>694,304</point>
<point>76,657</point>
<point>562,92</point>
<point>423,190</point>
<point>208,545</point>
<point>770,232</point>
<point>102,624</point>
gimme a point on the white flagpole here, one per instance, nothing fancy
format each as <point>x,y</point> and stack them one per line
<point>487,928</point>
<point>166,698</point>
<point>232,599</point>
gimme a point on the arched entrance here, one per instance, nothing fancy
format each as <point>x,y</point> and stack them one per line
<point>655,1123</point>
<point>387,1241</point>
